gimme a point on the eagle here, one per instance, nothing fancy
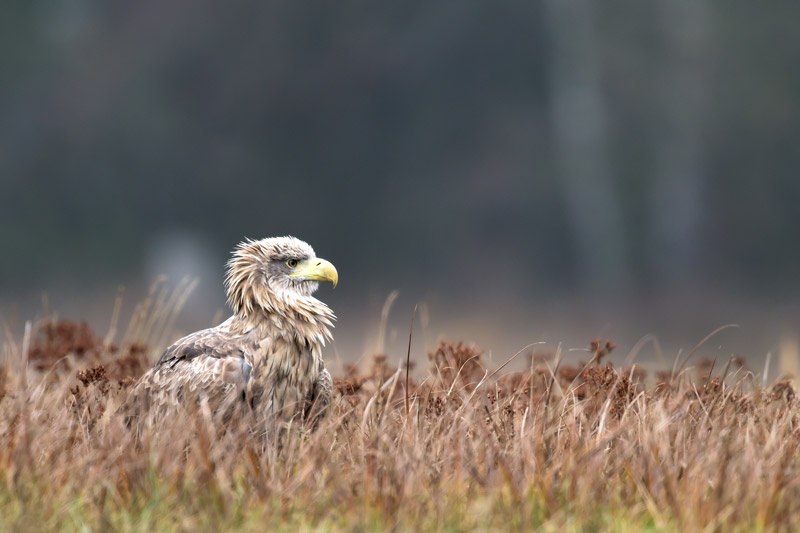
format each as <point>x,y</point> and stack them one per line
<point>268,355</point>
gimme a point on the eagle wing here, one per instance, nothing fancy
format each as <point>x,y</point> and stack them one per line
<point>217,365</point>
<point>209,343</point>
<point>210,363</point>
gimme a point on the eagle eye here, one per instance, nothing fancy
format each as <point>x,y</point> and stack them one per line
<point>292,263</point>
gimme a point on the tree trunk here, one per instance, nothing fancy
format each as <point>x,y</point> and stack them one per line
<point>679,176</point>
<point>580,142</point>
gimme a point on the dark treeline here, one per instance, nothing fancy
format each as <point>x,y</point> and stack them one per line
<point>561,143</point>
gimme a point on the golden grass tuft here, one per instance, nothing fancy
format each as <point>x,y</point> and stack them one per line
<point>577,447</point>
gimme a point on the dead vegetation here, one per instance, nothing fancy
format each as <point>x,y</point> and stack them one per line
<point>560,446</point>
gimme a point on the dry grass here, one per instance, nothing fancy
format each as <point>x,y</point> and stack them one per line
<point>557,447</point>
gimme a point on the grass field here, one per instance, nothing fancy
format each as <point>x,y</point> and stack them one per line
<point>455,447</point>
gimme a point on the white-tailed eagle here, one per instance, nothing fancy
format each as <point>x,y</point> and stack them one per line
<point>268,355</point>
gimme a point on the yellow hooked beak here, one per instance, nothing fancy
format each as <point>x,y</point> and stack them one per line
<point>315,269</point>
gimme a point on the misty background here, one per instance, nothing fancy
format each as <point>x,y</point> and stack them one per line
<point>547,171</point>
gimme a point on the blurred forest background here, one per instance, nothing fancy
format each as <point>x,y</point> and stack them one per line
<point>530,171</point>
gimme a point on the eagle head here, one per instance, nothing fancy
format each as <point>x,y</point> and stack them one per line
<point>271,274</point>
